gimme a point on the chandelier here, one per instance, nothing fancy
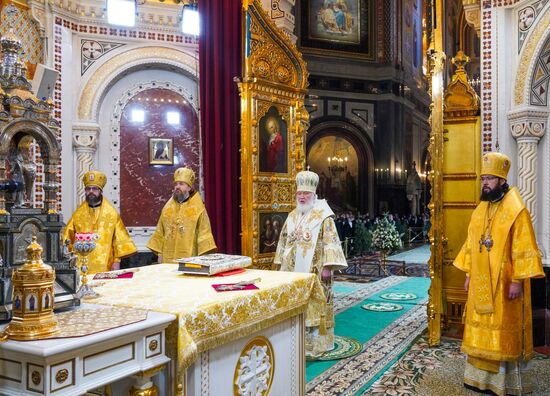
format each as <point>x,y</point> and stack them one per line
<point>337,164</point>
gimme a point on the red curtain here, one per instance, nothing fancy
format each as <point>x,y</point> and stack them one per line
<point>220,60</point>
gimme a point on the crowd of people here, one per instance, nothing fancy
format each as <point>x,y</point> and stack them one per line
<point>353,229</point>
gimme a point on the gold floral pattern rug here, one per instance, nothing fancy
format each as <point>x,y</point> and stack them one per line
<point>439,371</point>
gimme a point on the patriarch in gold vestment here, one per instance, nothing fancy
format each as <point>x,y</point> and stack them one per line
<point>183,229</point>
<point>499,257</point>
<point>98,215</point>
<point>309,243</point>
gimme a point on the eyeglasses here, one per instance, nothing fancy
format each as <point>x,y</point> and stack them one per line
<point>488,178</point>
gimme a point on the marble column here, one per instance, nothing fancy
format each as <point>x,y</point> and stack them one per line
<point>85,146</point>
<point>527,126</point>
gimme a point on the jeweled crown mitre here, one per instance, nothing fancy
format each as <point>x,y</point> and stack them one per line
<point>307,181</point>
<point>185,175</point>
<point>496,164</point>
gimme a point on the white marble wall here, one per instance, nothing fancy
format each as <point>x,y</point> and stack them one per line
<point>521,125</point>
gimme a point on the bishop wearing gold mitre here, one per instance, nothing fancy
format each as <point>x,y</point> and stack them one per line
<point>97,215</point>
<point>499,257</point>
<point>183,229</point>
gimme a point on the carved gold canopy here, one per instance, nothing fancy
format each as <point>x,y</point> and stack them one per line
<point>273,124</point>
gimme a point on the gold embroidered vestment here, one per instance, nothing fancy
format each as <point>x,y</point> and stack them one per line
<point>183,230</point>
<point>311,244</point>
<point>493,322</point>
<point>114,241</point>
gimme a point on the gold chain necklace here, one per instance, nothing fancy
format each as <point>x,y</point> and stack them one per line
<point>486,238</point>
<point>95,215</point>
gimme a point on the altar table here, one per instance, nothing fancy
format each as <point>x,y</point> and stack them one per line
<point>72,366</point>
<point>231,342</point>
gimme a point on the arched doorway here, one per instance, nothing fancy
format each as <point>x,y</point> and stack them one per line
<point>346,180</point>
<point>335,160</point>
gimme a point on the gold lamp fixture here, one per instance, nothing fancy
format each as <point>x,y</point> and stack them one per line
<point>33,298</point>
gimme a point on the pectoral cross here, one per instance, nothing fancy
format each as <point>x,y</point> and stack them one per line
<point>487,242</point>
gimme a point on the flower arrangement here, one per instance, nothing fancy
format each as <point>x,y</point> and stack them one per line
<point>385,236</point>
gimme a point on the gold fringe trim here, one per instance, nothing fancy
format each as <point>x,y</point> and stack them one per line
<point>490,355</point>
<point>249,328</point>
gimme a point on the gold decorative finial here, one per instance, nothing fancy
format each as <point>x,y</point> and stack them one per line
<point>460,60</point>
<point>460,99</point>
<point>34,253</point>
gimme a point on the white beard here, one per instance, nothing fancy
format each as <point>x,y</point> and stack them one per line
<point>306,207</point>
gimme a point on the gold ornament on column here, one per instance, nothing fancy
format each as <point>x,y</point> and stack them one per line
<point>33,298</point>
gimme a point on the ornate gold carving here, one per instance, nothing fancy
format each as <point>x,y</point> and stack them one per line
<point>61,376</point>
<point>273,57</point>
<point>151,391</point>
<point>460,99</point>
<point>33,298</point>
<point>264,193</point>
<point>255,368</point>
<point>96,84</point>
<point>436,61</point>
<point>284,192</point>
<point>36,377</point>
<point>528,59</point>
<point>275,76</point>
<point>153,345</point>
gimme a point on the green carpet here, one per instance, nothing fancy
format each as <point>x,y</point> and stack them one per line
<point>368,327</point>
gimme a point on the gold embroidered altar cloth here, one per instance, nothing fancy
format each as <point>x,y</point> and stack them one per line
<point>206,318</point>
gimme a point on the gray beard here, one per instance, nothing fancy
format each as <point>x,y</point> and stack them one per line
<point>304,208</point>
<point>180,197</point>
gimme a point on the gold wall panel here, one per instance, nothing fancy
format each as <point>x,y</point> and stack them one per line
<point>462,164</point>
<point>455,149</point>
<point>273,125</point>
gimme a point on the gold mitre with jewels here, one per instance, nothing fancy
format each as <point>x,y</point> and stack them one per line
<point>307,181</point>
<point>496,164</point>
<point>185,175</point>
<point>33,298</point>
<point>94,178</point>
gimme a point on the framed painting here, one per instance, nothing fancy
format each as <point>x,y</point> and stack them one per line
<point>273,141</point>
<point>271,224</point>
<point>161,151</point>
<point>338,25</point>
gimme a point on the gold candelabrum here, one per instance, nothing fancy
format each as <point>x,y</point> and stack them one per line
<point>85,243</point>
<point>32,299</point>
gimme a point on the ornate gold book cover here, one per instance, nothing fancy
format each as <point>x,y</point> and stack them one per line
<point>211,264</point>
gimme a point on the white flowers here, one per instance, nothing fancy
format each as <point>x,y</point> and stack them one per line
<point>385,235</point>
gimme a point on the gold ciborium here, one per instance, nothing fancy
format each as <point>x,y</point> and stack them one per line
<point>85,243</point>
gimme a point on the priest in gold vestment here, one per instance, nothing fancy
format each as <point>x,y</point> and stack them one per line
<point>309,243</point>
<point>97,215</point>
<point>183,229</point>
<point>499,257</point>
